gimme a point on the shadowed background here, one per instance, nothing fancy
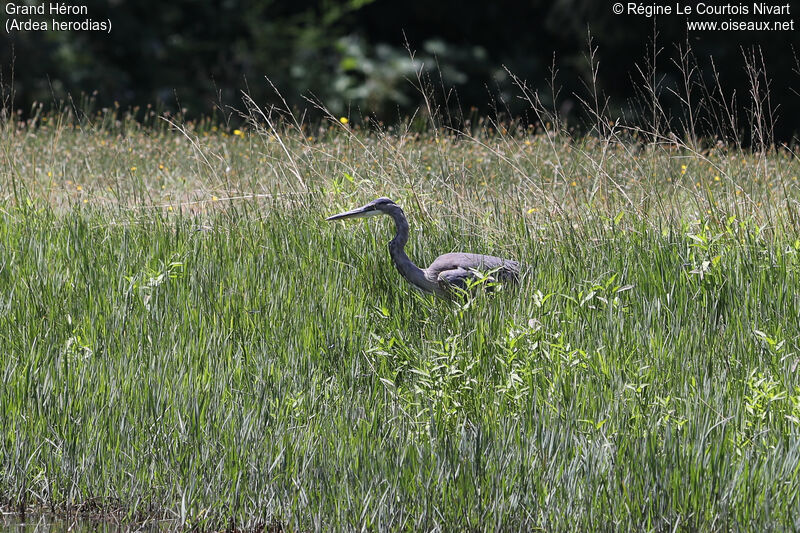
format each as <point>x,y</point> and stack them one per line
<point>353,55</point>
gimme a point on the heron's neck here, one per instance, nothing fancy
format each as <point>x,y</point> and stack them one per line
<point>406,267</point>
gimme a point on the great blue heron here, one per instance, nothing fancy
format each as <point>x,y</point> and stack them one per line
<point>448,270</point>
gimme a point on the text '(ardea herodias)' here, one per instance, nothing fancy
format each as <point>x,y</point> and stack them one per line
<point>448,270</point>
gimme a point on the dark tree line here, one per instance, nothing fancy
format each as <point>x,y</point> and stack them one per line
<point>356,57</point>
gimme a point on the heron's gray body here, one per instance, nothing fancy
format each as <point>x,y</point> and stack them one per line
<point>448,270</point>
<point>455,261</point>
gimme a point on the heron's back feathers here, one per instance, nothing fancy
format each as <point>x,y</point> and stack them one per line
<point>455,268</point>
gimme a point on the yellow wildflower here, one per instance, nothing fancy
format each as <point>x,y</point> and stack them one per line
<point>344,120</point>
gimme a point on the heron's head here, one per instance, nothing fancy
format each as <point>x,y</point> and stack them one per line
<point>381,206</point>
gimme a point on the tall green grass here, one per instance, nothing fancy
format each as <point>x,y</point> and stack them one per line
<point>183,337</point>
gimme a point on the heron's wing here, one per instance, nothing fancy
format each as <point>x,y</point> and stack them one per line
<point>456,277</point>
<point>505,270</point>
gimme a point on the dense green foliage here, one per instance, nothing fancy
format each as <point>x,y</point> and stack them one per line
<point>356,56</point>
<point>182,336</point>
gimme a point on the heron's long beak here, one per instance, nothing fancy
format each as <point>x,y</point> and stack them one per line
<point>361,212</point>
